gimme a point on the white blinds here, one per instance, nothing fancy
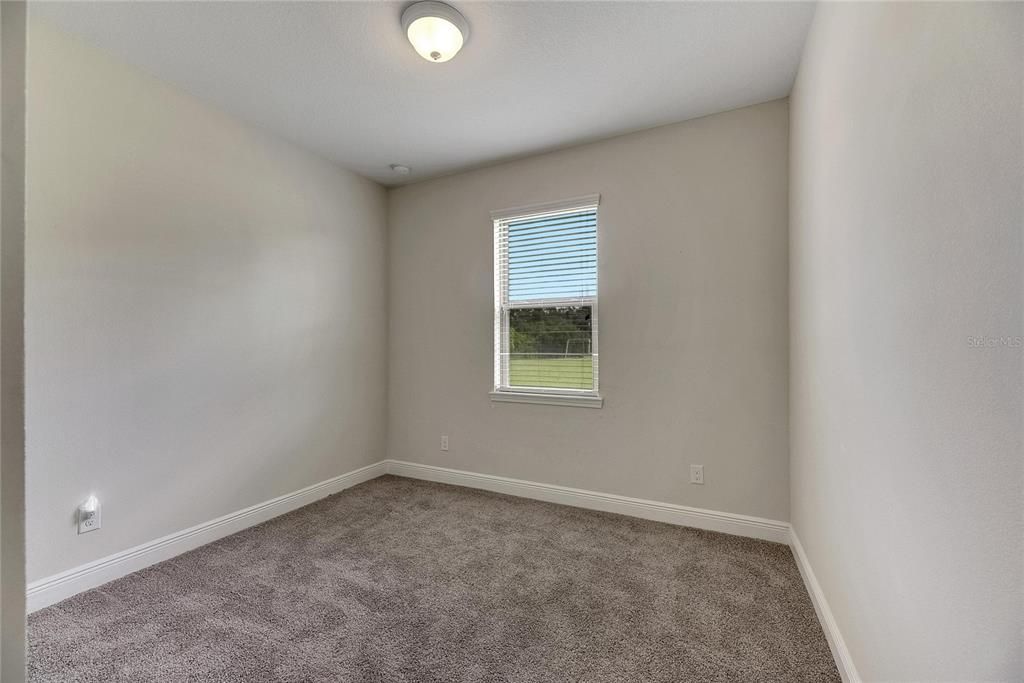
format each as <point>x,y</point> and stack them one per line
<point>546,300</point>
<point>551,257</point>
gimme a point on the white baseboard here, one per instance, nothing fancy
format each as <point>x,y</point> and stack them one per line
<point>711,520</point>
<point>53,589</point>
<point>844,662</point>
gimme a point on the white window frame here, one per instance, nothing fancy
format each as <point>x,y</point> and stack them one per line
<point>501,392</point>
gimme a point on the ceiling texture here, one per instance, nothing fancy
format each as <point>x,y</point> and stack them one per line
<point>341,79</point>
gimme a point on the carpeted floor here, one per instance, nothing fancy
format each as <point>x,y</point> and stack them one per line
<point>403,580</point>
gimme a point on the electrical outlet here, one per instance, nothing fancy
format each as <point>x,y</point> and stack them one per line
<point>444,442</point>
<point>89,515</point>
<point>696,474</point>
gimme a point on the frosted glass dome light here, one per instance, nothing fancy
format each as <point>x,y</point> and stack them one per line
<point>437,31</point>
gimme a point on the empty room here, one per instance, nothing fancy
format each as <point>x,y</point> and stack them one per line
<point>554,341</point>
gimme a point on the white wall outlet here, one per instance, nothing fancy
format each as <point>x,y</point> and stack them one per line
<point>89,515</point>
<point>444,442</point>
<point>696,474</point>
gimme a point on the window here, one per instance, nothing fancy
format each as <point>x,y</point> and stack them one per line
<point>545,303</point>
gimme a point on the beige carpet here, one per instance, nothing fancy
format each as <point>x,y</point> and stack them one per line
<point>402,580</point>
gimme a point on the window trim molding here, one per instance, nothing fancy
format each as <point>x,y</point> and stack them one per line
<point>553,395</point>
<point>552,398</point>
<point>582,202</point>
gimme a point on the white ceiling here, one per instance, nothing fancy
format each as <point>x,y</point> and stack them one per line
<point>341,79</point>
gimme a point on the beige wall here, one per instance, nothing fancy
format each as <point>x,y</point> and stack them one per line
<point>206,309</point>
<point>12,359</point>
<point>906,243</point>
<point>694,340</point>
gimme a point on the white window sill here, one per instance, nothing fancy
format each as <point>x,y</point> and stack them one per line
<point>575,400</point>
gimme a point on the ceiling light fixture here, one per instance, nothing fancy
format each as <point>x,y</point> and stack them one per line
<point>400,169</point>
<point>437,31</point>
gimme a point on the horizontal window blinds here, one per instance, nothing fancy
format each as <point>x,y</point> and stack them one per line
<point>550,257</point>
<point>546,301</point>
